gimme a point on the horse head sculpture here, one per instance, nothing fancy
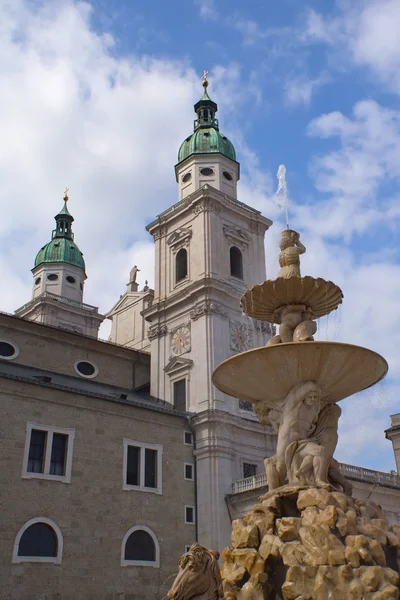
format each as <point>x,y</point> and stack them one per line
<point>199,577</point>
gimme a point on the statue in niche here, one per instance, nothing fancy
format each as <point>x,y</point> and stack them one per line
<point>296,325</point>
<point>307,439</point>
<point>289,257</point>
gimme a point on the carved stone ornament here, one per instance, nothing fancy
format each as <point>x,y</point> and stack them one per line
<point>157,330</point>
<point>263,327</point>
<point>160,232</point>
<point>206,204</point>
<point>241,336</point>
<point>180,340</point>
<point>179,238</point>
<point>237,236</point>
<point>198,577</point>
<point>257,228</point>
<point>208,307</point>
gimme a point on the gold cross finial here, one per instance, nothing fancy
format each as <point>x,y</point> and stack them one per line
<point>66,194</point>
<point>204,78</point>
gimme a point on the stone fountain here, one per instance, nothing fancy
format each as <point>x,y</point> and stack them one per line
<point>307,538</point>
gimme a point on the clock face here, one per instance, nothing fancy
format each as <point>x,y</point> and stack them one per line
<point>180,341</point>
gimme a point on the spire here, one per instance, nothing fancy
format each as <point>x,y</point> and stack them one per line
<point>64,221</point>
<point>205,109</point>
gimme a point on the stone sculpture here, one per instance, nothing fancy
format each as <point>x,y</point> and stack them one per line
<point>289,257</point>
<point>199,577</point>
<point>308,539</point>
<point>133,274</point>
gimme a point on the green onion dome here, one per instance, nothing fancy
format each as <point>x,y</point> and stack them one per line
<point>61,248</point>
<point>206,138</point>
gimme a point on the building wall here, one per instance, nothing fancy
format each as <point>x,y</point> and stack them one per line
<point>58,351</point>
<point>92,511</point>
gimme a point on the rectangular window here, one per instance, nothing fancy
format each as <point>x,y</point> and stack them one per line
<point>58,454</point>
<point>142,467</point>
<point>37,449</point>
<point>48,453</point>
<point>249,469</point>
<point>188,469</point>
<point>133,466</point>
<point>187,438</point>
<point>189,515</point>
<point>180,395</point>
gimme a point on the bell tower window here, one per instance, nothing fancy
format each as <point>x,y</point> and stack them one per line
<point>181,266</point>
<point>236,260</point>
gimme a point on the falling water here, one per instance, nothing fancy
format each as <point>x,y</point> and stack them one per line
<point>281,192</point>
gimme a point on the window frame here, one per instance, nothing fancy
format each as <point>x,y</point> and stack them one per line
<point>247,462</point>
<point>185,443</point>
<point>187,464</point>
<point>56,560</point>
<point>50,430</point>
<point>240,253</point>
<point>143,446</point>
<point>93,375</point>
<point>194,514</point>
<point>14,345</point>
<point>177,281</point>
<point>140,563</point>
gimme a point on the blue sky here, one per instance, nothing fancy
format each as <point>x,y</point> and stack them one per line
<point>99,95</point>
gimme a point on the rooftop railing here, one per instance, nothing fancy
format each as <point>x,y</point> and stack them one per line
<point>62,300</point>
<point>391,480</point>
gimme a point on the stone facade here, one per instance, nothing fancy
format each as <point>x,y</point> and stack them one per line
<point>93,511</point>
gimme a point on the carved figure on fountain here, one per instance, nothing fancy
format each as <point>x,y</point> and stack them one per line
<point>296,325</point>
<point>199,577</point>
<point>289,258</point>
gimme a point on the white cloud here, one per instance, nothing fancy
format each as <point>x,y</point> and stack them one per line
<point>364,33</point>
<point>207,9</point>
<point>299,90</point>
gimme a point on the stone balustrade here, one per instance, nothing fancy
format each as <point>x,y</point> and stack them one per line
<point>350,471</point>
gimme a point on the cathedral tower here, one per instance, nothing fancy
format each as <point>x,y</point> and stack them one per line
<point>59,276</point>
<point>209,248</point>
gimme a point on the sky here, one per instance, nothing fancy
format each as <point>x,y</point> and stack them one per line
<point>98,96</point>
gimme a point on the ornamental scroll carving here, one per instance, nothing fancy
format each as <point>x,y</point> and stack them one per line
<point>157,330</point>
<point>207,308</point>
<point>237,236</point>
<point>241,336</point>
<point>179,238</point>
<point>160,232</point>
<point>206,204</point>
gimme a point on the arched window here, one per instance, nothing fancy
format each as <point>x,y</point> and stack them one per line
<point>236,262</point>
<point>39,540</point>
<point>140,547</point>
<point>181,269</point>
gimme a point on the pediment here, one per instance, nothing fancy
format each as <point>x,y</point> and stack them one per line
<point>180,235</point>
<point>237,235</point>
<point>178,363</point>
<point>125,302</point>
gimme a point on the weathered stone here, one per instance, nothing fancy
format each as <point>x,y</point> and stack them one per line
<point>272,503</point>
<point>327,516</point>
<point>309,516</point>
<point>351,517</point>
<point>357,550</point>
<point>367,528</point>
<point>288,528</point>
<point>299,583</point>
<point>368,511</point>
<point>270,546</point>
<point>322,547</point>
<point>319,497</point>
<point>341,522</point>
<point>231,570</point>
<point>377,552</point>
<point>249,559</point>
<point>263,518</point>
<point>396,529</point>
<point>393,540</point>
<point>256,588</point>
<point>340,499</point>
<point>292,553</point>
<point>244,536</point>
<point>378,579</point>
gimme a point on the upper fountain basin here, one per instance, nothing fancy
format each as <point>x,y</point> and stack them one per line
<point>264,300</point>
<point>270,372</point>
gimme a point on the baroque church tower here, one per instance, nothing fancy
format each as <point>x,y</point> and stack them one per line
<point>209,248</point>
<point>59,276</point>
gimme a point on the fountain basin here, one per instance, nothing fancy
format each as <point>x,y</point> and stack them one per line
<point>264,300</point>
<point>270,372</point>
